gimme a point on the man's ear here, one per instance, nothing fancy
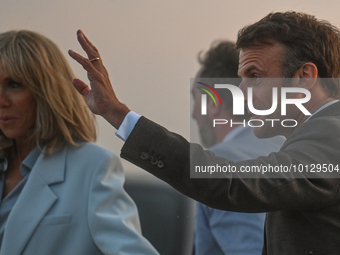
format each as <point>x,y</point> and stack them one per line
<point>212,109</point>
<point>307,74</point>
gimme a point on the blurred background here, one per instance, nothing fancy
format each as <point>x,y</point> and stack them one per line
<point>149,47</point>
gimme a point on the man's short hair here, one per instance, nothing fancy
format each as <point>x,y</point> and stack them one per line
<point>305,39</point>
<point>220,61</point>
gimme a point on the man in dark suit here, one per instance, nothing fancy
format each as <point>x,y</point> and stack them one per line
<point>220,232</point>
<point>303,205</point>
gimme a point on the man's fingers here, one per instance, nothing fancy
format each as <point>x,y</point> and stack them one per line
<point>86,63</point>
<point>88,47</point>
<point>91,51</point>
<point>80,32</point>
<point>81,87</point>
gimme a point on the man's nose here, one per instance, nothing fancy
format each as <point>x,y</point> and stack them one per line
<point>194,111</point>
<point>244,87</point>
<point>193,114</point>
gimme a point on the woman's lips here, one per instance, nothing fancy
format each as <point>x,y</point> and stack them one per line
<point>7,119</point>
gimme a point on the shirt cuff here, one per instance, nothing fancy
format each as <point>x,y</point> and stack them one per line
<point>127,125</point>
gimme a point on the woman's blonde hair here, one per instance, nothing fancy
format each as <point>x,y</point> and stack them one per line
<point>62,116</point>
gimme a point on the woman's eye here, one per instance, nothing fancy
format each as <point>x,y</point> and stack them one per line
<point>14,84</point>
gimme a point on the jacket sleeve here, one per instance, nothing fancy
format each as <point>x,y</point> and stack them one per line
<point>167,156</point>
<point>112,215</point>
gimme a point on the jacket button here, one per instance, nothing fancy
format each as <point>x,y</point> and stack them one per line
<point>160,164</point>
<point>144,156</point>
<point>153,161</point>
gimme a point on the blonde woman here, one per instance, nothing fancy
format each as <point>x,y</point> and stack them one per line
<point>60,193</point>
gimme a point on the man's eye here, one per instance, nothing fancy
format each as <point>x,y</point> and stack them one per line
<point>256,78</point>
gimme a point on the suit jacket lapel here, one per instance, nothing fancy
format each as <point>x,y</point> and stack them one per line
<point>33,203</point>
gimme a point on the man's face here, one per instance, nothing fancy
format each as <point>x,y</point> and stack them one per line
<point>204,122</point>
<point>263,62</point>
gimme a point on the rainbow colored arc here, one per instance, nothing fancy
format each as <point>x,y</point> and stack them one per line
<point>208,92</point>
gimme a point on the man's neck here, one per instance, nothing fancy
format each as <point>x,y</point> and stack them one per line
<point>222,131</point>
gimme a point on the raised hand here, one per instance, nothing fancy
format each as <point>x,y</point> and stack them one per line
<point>100,98</point>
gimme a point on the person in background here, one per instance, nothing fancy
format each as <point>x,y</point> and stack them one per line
<point>60,193</point>
<point>219,232</point>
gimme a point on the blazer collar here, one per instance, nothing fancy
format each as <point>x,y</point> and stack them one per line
<point>34,202</point>
<point>51,168</point>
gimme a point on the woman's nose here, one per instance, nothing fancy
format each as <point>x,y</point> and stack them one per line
<point>4,98</point>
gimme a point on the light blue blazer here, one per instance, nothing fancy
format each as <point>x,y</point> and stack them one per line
<point>74,203</point>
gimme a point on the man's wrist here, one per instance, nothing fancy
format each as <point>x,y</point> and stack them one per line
<point>116,114</point>
<point>128,125</point>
